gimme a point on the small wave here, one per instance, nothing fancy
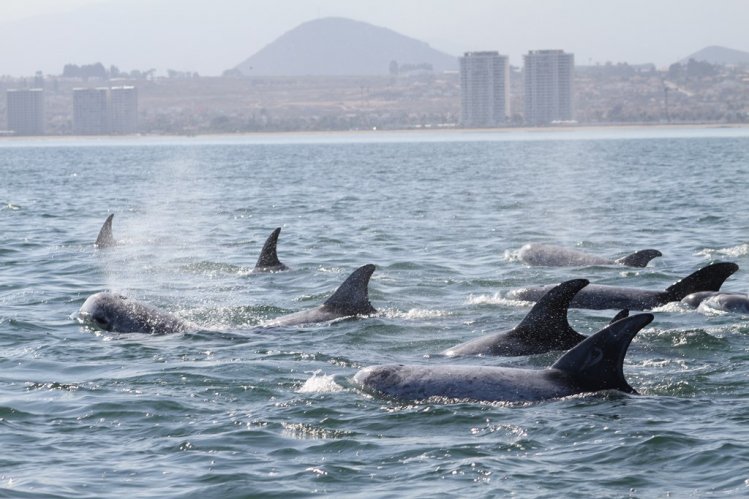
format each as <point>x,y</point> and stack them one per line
<point>673,307</point>
<point>511,256</point>
<point>496,299</point>
<point>733,252</point>
<point>320,383</point>
<point>416,314</point>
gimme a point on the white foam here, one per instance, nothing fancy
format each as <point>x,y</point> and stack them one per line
<point>733,252</point>
<point>320,383</point>
<point>496,299</point>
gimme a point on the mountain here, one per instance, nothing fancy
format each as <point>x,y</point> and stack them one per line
<point>720,55</point>
<point>337,46</point>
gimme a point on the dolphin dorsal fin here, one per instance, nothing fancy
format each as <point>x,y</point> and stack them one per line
<point>621,315</point>
<point>268,256</point>
<point>352,297</point>
<point>596,363</point>
<point>550,312</point>
<point>639,258</point>
<point>709,278</point>
<point>105,238</point>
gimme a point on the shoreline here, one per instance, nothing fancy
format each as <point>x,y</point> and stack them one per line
<point>373,134</point>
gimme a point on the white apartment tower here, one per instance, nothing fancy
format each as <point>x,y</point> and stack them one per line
<point>25,111</point>
<point>101,111</point>
<point>548,86</point>
<point>484,89</point>
<point>123,107</point>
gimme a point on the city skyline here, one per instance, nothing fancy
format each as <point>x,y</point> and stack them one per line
<point>211,41</point>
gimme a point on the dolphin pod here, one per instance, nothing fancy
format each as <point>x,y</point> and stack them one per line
<point>593,365</point>
<point>598,296</point>
<point>545,328</point>
<point>559,256</point>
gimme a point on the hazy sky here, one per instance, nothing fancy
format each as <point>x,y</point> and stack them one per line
<point>209,36</point>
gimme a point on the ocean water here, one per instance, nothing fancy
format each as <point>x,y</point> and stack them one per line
<point>239,411</point>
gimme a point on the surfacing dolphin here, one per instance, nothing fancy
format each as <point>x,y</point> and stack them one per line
<point>116,313</point>
<point>716,300</point>
<point>351,298</point>
<point>599,296</point>
<point>105,238</point>
<point>544,329</point>
<point>593,365</point>
<point>268,260</point>
<point>558,256</point>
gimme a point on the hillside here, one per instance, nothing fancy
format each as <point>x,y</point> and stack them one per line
<point>336,46</point>
<point>720,55</point>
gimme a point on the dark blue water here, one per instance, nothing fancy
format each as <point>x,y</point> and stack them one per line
<point>239,411</point>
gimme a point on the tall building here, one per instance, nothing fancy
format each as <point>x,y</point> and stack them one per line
<point>123,107</point>
<point>25,111</point>
<point>548,86</point>
<point>484,89</point>
<point>90,111</point>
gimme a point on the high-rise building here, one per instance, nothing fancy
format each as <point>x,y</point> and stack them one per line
<point>90,111</point>
<point>484,89</point>
<point>25,111</point>
<point>548,86</point>
<point>123,107</point>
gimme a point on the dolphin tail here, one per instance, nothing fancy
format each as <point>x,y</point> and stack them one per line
<point>621,315</point>
<point>105,238</point>
<point>352,297</point>
<point>268,256</point>
<point>550,314</point>
<point>639,258</point>
<point>709,278</point>
<point>597,362</point>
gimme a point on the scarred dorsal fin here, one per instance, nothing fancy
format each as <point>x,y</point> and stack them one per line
<point>268,259</point>
<point>709,278</point>
<point>550,314</point>
<point>105,238</point>
<point>596,363</point>
<point>639,258</point>
<point>352,297</point>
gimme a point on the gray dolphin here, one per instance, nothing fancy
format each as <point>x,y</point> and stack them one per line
<point>594,364</point>
<point>105,238</point>
<point>716,300</point>
<point>544,329</point>
<point>351,298</point>
<point>116,313</point>
<point>559,256</point>
<point>268,260</point>
<point>599,296</point>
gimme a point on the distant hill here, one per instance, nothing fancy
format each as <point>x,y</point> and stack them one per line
<point>337,46</point>
<point>720,55</point>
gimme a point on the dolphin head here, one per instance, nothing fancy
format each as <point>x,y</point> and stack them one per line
<point>114,312</point>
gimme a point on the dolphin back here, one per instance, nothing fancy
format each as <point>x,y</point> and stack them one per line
<point>639,258</point>
<point>268,259</point>
<point>105,238</point>
<point>352,297</point>
<point>709,278</point>
<point>597,362</point>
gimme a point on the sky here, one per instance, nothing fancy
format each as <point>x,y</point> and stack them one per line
<point>209,36</point>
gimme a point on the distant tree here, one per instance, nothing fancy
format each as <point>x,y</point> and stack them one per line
<point>232,73</point>
<point>698,69</point>
<point>675,71</point>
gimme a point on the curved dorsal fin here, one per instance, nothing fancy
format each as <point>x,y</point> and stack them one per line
<point>268,256</point>
<point>709,278</point>
<point>105,238</point>
<point>621,315</point>
<point>596,363</point>
<point>352,297</point>
<point>550,314</point>
<point>639,258</point>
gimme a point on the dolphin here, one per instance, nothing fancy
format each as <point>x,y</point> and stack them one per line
<point>594,364</point>
<point>545,328</point>
<point>716,300</point>
<point>351,298</point>
<point>559,256</point>
<point>268,260</point>
<point>105,238</point>
<point>599,296</point>
<point>116,313</point>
